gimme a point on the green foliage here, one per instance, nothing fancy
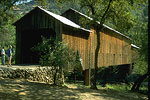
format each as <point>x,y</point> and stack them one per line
<point>56,54</point>
<point>139,35</point>
<point>140,66</point>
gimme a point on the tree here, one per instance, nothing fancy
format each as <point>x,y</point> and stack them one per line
<point>56,55</point>
<point>7,17</point>
<point>139,35</point>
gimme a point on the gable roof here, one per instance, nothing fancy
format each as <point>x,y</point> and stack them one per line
<point>59,18</point>
<point>97,22</point>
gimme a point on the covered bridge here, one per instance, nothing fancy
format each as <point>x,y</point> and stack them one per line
<point>115,47</point>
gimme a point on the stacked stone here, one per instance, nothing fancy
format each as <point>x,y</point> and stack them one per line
<point>41,74</point>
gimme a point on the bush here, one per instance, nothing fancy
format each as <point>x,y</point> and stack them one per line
<point>56,55</point>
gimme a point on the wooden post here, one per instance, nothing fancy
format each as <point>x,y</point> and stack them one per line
<point>87,77</point>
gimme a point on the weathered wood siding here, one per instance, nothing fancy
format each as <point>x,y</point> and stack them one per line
<point>33,24</point>
<point>77,40</point>
<point>38,19</point>
<point>114,49</point>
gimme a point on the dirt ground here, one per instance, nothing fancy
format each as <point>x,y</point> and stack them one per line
<point>20,89</point>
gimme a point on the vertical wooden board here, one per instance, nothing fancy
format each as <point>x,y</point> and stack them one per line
<point>111,45</point>
<point>108,59</point>
<point>84,51</point>
<point>91,60</point>
<point>104,43</point>
<point>119,46</point>
<point>103,59</point>
<point>70,40</point>
<point>73,42</point>
<point>114,59</point>
<point>87,55</point>
<point>107,44</point>
<point>93,47</point>
<point>114,42</point>
<point>109,55</point>
<point>116,45</point>
<point>118,59</point>
<point>76,43</point>
<point>101,42</point>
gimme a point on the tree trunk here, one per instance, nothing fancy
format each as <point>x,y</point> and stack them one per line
<point>96,60</point>
<point>74,75</point>
<point>138,82</point>
<point>98,29</point>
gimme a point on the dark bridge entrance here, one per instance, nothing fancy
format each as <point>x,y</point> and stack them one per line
<point>30,38</point>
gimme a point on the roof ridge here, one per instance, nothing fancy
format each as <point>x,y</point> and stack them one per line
<point>57,17</point>
<point>99,23</point>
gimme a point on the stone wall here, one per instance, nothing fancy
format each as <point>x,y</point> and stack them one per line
<point>41,74</point>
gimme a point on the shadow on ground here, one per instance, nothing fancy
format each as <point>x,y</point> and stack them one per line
<point>24,90</point>
<point>17,89</point>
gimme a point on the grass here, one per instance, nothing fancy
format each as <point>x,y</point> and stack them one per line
<point>115,87</point>
<point>118,87</point>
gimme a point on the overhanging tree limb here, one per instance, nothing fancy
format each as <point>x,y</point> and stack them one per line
<point>104,15</point>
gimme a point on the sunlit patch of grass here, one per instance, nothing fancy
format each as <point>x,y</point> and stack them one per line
<point>118,87</point>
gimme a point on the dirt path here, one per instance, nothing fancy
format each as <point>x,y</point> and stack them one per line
<point>16,89</point>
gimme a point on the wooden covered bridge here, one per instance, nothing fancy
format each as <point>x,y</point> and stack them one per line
<point>116,48</point>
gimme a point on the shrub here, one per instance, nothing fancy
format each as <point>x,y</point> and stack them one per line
<point>56,55</point>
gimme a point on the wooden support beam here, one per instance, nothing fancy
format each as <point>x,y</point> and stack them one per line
<point>87,77</point>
